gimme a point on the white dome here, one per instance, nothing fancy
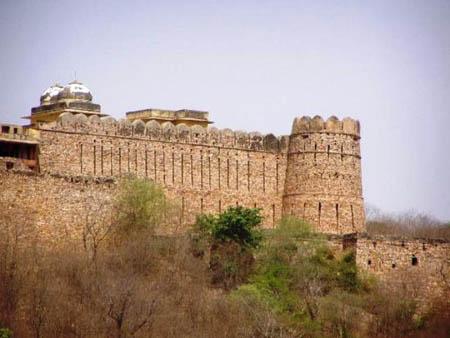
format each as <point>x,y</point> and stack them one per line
<point>75,91</point>
<point>78,87</point>
<point>51,93</point>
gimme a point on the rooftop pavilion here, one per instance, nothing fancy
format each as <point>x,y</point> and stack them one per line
<point>183,116</point>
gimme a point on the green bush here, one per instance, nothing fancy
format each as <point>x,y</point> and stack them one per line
<point>299,279</point>
<point>5,333</point>
<point>237,224</point>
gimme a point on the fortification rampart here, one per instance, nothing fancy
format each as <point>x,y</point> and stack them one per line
<point>422,265</point>
<point>205,170</point>
<point>314,174</point>
<point>56,207</point>
<point>323,179</point>
<point>66,163</point>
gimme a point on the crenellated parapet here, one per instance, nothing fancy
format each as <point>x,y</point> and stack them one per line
<point>308,125</point>
<point>168,132</point>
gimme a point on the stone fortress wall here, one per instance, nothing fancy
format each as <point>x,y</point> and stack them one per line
<point>422,265</point>
<point>205,170</point>
<point>314,174</point>
<point>54,206</point>
<point>57,205</point>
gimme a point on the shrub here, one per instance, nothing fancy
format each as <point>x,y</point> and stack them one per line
<point>230,236</point>
<point>5,333</point>
<point>299,279</point>
<point>141,205</point>
<point>237,224</point>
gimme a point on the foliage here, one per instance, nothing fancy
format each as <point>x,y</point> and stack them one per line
<point>5,333</point>
<point>230,238</point>
<point>289,284</point>
<point>236,224</point>
<point>141,205</point>
<point>298,277</point>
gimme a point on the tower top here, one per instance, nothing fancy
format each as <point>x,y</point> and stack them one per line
<point>317,124</point>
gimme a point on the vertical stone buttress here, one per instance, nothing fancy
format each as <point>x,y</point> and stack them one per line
<point>323,177</point>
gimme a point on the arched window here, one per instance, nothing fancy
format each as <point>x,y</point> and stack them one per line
<point>414,260</point>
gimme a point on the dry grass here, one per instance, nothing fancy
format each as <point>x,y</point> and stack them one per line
<point>410,224</point>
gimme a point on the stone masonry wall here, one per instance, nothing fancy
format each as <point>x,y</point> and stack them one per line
<point>315,174</point>
<point>55,206</point>
<point>323,180</point>
<point>423,264</point>
<point>204,170</point>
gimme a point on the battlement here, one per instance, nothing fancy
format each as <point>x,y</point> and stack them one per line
<point>314,173</point>
<point>168,132</point>
<point>332,125</point>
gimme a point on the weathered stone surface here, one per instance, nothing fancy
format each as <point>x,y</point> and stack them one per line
<point>66,119</point>
<point>202,177</point>
<point>423,263</point>
<point>323,178</point>
<point>153,129</point>
<point>314,174</point>
<point>138,127</point>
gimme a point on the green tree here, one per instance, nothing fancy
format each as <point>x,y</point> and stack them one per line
<point>237,224</point>
<point>231,237</point>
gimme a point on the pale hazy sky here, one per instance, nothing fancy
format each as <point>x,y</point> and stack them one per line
<point>255,65</point>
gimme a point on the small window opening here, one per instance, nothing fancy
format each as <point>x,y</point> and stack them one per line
<point>5,129</point>
<point>9,165</point>
<point>15,130</point>
<point>369,262</point>
<point>393,265</point>
<point>403,243</point>
<point>414,260</point>
<point>423,247</point>
<point>374,243</point>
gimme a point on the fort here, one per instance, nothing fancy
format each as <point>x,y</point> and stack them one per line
<point>71,154</point>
